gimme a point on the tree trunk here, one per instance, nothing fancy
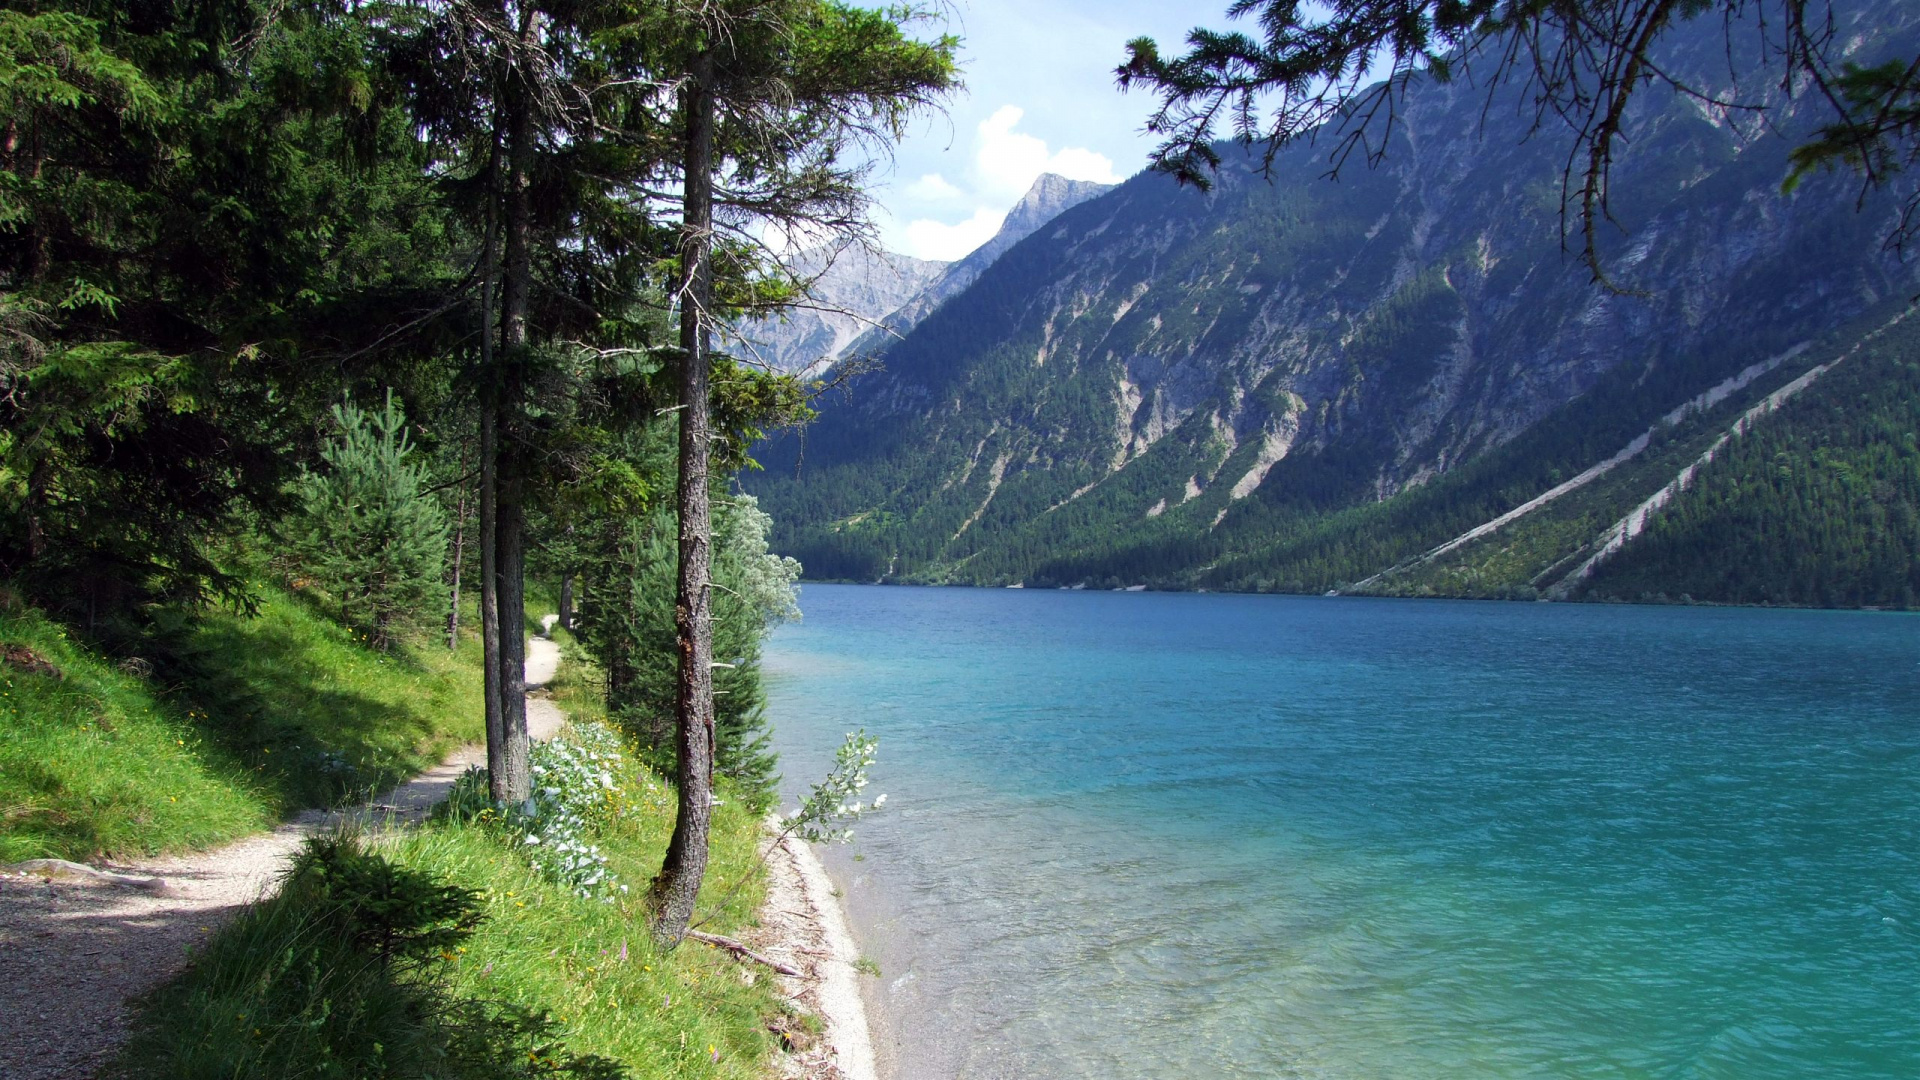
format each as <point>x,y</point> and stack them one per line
<point>566,602</point>
<point>459,557</point>
<point>516,763</point>
<point>515,779</point>
<point>490,589</point>
<point>489,484</point>
<point>678,885</point>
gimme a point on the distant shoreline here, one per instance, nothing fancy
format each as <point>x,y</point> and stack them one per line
<point>1667,602</point>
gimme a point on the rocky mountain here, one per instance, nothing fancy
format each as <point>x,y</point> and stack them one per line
<point>1049,197</point>
<point>855,290</point>
<point>1292,383</point>
<point>852,288</point>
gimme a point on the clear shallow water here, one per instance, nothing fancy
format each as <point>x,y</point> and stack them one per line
<point>1162,835</point>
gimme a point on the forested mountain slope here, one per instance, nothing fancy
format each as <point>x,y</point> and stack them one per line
<point>1820,506</point>
<point>1298,384</point>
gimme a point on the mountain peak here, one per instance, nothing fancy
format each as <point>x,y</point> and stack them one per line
<point>852,288</point>
<point>1050,194</point>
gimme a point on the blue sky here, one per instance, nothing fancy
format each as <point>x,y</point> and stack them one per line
<point>1039,97</point>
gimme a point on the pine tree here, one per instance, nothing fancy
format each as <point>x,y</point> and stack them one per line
<point>628,621</point>
<point>367,529</point>
<point>773,94</point>
<point>757,594</point>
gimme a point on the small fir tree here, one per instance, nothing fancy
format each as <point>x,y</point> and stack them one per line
<point>628,622</point>
<point>367,530</point>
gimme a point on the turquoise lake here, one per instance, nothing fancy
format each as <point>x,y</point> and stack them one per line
<point>1164,835</point>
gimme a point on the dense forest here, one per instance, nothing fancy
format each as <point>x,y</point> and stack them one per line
<point>331,332</point>
<point>1818,506</point>
<point>277,278</point>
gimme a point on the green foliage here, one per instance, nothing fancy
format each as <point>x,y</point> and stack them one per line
<point>502,968</point>
<point>578,791</point>
<point>827,813</point>
<point>96,760</point>
<point>628,621</point>
<point>1817,505</point>
<point>393,913</point>
<point>345,974</point>
<point>315,712</point>
<point>198,204</point>
<point>211,724</point>
<point>590,964</point>
<point>367,530</point>
<point>1878,133</point>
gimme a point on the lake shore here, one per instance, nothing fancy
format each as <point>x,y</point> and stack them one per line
<point>804,925</point>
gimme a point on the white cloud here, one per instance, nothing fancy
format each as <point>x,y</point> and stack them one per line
<point>934,188</point>
<point>1004,164</point>
<point>1076,163</point>
<point>930,239</point>
<point>1007,162</point>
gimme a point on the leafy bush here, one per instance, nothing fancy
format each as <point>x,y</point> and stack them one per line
<point>393,913</point>
<point>576,791</point>
<point>831,807</point>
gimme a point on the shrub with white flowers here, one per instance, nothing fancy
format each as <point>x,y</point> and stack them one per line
<point>576,789</point>
<point>827,813</point>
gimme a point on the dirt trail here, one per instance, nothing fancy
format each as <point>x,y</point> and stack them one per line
<point>76,946</point>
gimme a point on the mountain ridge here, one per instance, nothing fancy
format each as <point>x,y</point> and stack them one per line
<point>859,299</point>
<point>1181,390</point>
<point>850,289</point>
<point>1049,196</point>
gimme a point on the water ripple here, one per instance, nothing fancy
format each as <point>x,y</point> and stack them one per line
<point>1154,836</point>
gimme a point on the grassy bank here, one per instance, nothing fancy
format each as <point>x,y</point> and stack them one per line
<point>694,1012</point>
<point>435,952</point>
<point>528,978</point>
<point>94,759</point>
<point>210,726</point>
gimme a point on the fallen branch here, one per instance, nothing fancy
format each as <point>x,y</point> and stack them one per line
<point>739,949</point>
<point>73,872</point>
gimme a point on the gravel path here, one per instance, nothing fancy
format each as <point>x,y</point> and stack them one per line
<point>77,945</point>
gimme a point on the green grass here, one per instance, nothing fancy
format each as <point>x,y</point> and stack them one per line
<point>250,716</point>
<point>276,994</point>
<point>542,948</point>
<point>319,716</point>
<point>96,760</point>
<point>304,982</point>
<point>579,687</point>
<point>546,983</point>
<point>241,720</point>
